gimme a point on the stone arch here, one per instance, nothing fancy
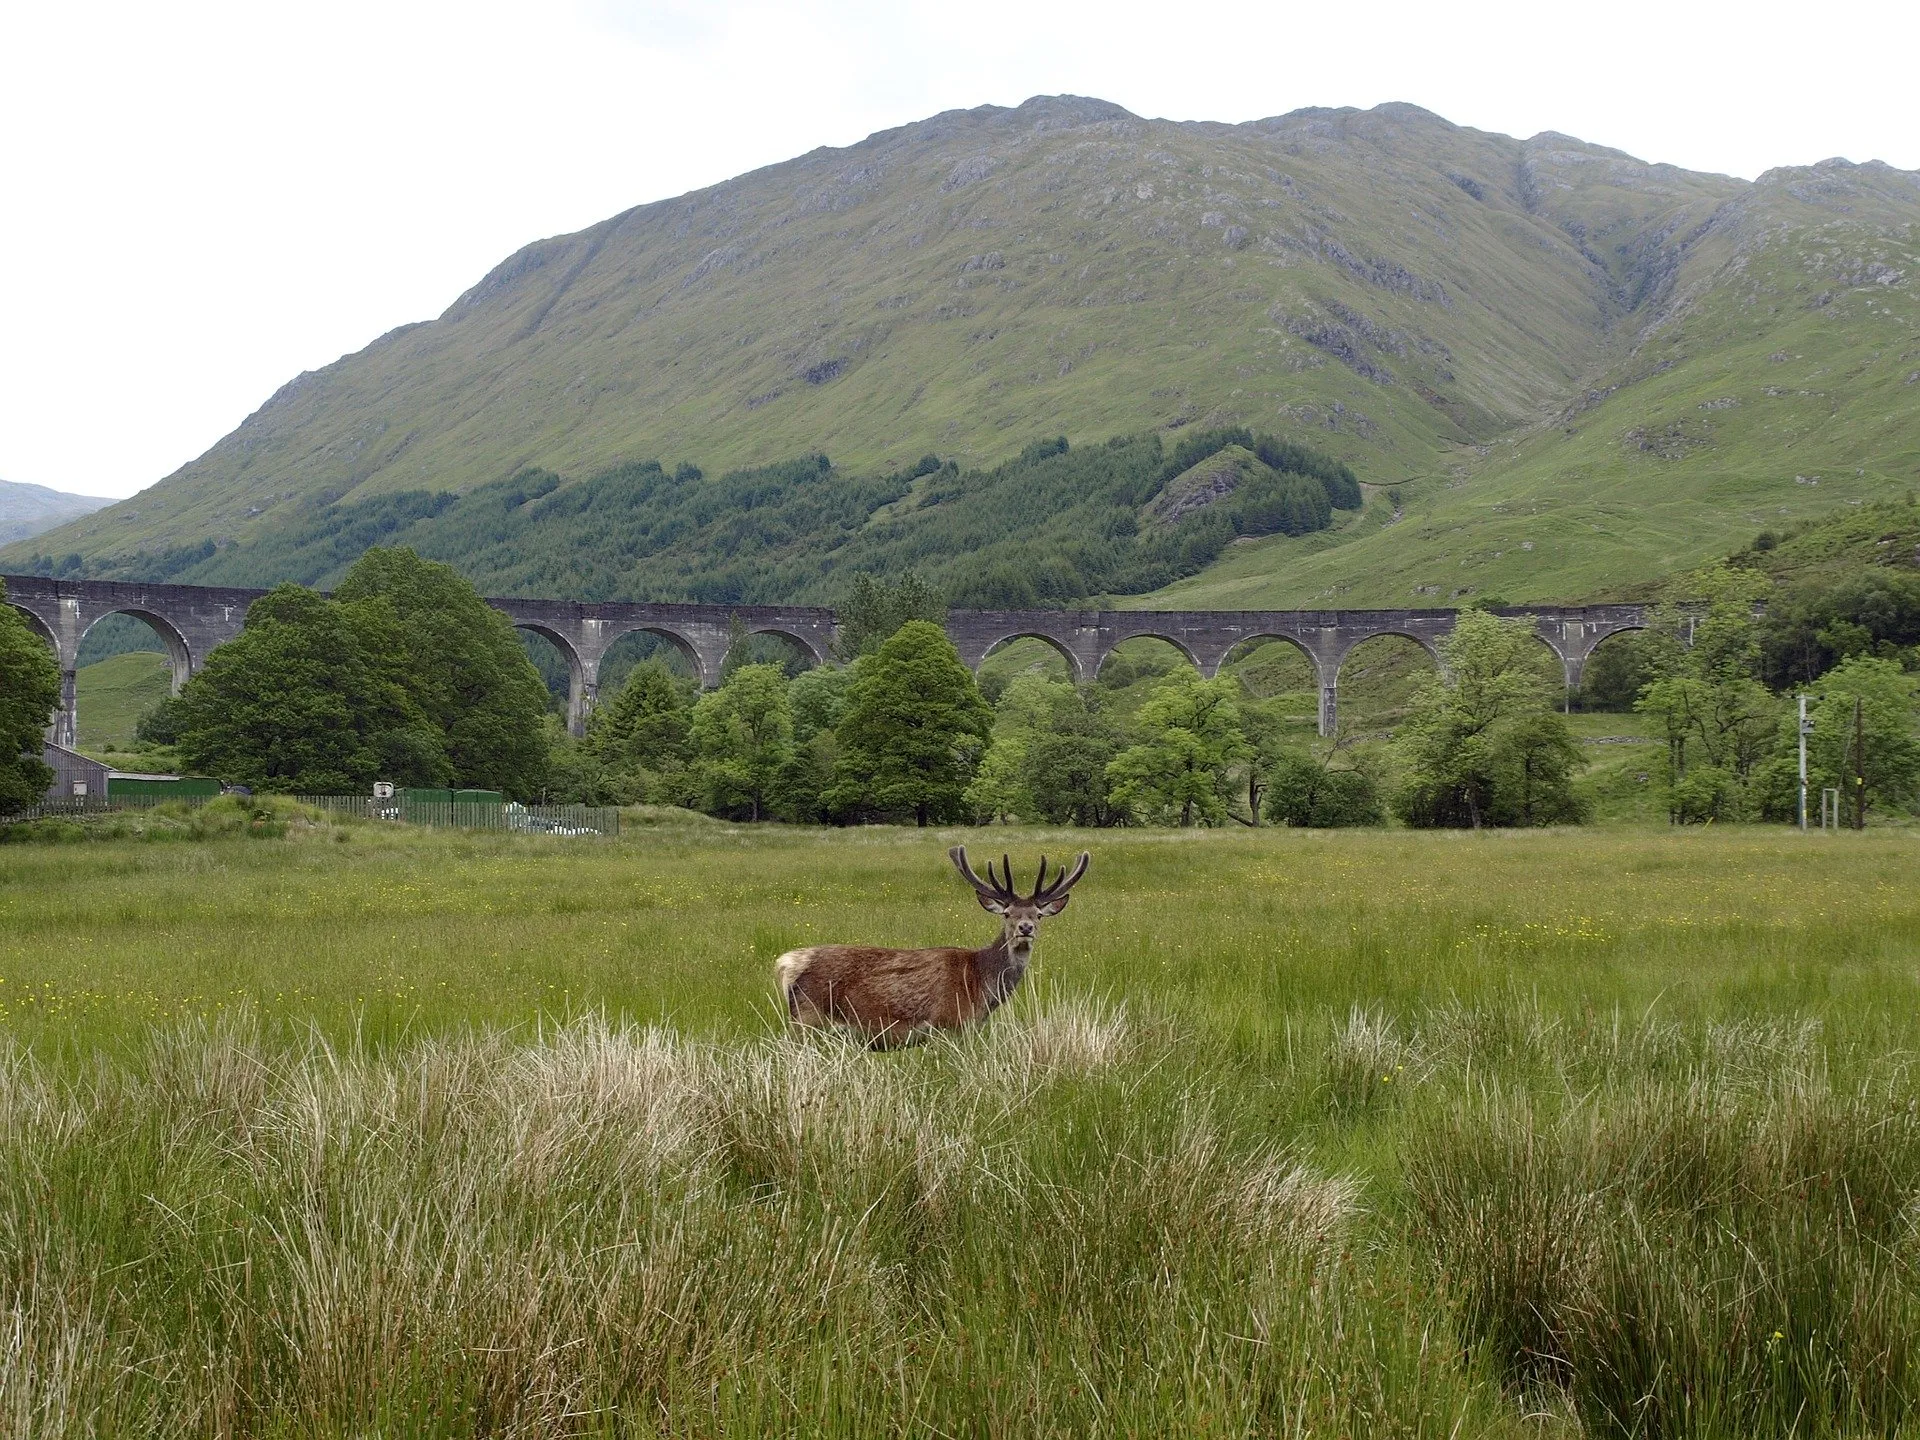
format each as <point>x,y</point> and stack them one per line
<point>42,629</point>
<point>580,681</point>
<point>1579,666</point>
<point>1330,696</point>
<point>179,656</point>
<point>1243,647</point>
<point>62,729</point>
<point>792,637</point>
<point>673,637</point>
<point>1052,642</point>
<point>1117,641</point>
<point>1433,650</point>
<point>1261,682</point>
<point>1559,668</point>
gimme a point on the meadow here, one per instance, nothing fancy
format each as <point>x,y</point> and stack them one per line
<point>318,1129</point>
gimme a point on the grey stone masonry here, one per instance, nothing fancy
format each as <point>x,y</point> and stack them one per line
<point>1207,637</point>
<point>192,619</point>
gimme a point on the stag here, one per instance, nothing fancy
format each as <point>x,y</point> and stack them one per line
<point>892,997</point>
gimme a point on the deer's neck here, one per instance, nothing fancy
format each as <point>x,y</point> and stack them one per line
<point>1002,966</point>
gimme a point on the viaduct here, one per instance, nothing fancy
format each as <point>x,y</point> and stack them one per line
<point>192,619</point>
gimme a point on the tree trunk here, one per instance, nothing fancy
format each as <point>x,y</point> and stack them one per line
<point>920,816</point>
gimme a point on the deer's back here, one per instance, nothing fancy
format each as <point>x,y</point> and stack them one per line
<point>880,991</point>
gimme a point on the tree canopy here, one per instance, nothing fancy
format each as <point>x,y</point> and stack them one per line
<point>1190,737</point>
<point>405,674</point>
<point>743,739</point>
<point>1480,746</point>
<point>310,696</point>
<point>913,730</point>
<point>29,694</point>
<point>463,666</point>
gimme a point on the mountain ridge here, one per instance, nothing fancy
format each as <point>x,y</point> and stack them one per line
<point>29,510</point>
<point>1452,312</point>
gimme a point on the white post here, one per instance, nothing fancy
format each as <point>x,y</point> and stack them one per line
<point>1803,765</point>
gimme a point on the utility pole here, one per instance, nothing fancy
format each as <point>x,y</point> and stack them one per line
<point>1859,768</point>
<point>1805,725</point>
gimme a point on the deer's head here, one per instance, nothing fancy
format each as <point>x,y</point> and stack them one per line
<point>1021,915</point>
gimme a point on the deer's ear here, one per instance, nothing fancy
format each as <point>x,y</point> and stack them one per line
<point>989,903</point>
<point>1054,906</point>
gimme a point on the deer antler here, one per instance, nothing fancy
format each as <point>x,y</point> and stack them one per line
<point>997,889</point>
<point>1062,882</point>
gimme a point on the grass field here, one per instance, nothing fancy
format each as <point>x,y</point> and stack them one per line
<point>317,1130</point>
<point>112,696</point>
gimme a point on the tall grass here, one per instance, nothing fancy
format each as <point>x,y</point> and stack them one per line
<point>1690,1257</point>
<point>1298,1135</point>
<point>605,1229</point>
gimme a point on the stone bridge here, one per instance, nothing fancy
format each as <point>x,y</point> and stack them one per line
<point>192,619</point>
<point>1085,638</point>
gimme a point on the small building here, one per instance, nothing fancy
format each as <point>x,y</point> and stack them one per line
<point>75,777</point>
<point>151,789</point>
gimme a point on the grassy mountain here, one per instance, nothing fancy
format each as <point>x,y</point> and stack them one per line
<point>28,510</point>
<point>1561,372</point>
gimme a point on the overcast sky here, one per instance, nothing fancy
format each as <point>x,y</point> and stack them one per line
<point>200,200</point>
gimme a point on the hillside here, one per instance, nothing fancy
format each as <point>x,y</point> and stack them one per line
<point>28,510</point>
<point>1560,371</point>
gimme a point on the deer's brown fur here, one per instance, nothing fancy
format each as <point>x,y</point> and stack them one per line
<point>891,997</point>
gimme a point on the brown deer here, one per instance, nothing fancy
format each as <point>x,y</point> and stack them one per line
<point>893,997</point>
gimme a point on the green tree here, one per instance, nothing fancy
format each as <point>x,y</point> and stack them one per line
<point>817,698</point>
<point>871,610</point>
<point>1481,728</point>
<point>1048,755</point>
<point>1307,792</point>
<point>577,774</point>
<point>29,694</point>
<point>1065,774</point>
<point>742,739</point>
<point>1534,762</point>
<point>1714,714</point>
<point>309,697</point>
<point>463,664</point>
<point>1272,730</point>
<point>1031,705</point>
<point>647,724</point>
<point>1814,625</point>
<point>1190,740</point>
<point>912,732</point>
<point>1882,749</point>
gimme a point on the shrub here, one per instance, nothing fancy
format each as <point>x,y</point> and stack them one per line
<point>1306,793</point>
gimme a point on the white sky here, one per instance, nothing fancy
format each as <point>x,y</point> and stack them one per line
<point>199,200</point>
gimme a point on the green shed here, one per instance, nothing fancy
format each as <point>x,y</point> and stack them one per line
<point>160,787</point>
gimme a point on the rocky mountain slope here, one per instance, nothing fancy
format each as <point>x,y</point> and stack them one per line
<point>1560,371</point>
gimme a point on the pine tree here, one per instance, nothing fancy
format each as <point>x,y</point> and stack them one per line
<point>646,726</point>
